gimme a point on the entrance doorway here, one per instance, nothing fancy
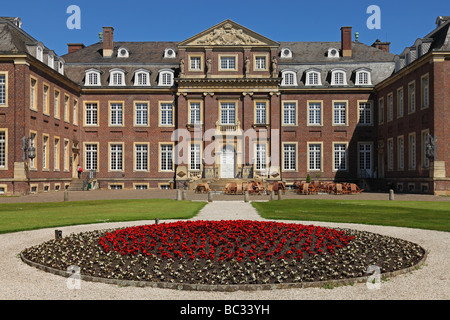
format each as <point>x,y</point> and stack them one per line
<point>227,162</point>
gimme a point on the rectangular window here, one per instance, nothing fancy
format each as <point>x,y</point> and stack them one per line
<point>412,98</point>
<point>140,187</point>
<point>93,78</point>
<point>116,157</point>
<point>365,113</point>
<point>2,89</point>
<point>141,157</point>
<point>228,63</point>
<point>260,63</point>
<point>56,104</point>
<point>289,113</point>
<point>365,158</point>
<point>289,157</point>
<point>261,155</point>
<point>2,149</point>
<point>141,110</point>
<point>115,187</point>
<point>91,117</point>
<point>380,111</point>
<point>260,113</point>
<point>425,160</point>
<point>195,113</point>
<point>400,153</point>
<point>228,113</point>
<point>46,100</point>
<point>166,154</point>
<point>66,155</point>
<point>166,114</point>
<point>315,157</point>
<point>340,113</point>
<point>91,157</point>
<point>314,114</point>
<point>33,102</point>
<point>425,92</point>
<point>412,151</point>
<point>75,112</point>
<point>45,152</point>
<point>390,107</point>
<point>363,78</point>
<point>56,154</point>
<point>33,144</point>
<point>400,106</point>
<point>340,156</point>
<point>196,63</point>
<point>66,108</point>
<point>313,78</point>
<point>390,154</point>
<point>116,113</point>
<point>195,157</point>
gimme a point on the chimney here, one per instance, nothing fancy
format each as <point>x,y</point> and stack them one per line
<point>384,46</point>
<point>346,41</point>
<point>75,47</point>
<point>108,41</point>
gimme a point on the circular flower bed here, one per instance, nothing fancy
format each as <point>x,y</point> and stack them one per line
<point>226,252</point>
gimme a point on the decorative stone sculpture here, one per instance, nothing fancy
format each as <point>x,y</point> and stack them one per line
<point>274,68</point>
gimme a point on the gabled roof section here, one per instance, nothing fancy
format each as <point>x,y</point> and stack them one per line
<point>228,34</point>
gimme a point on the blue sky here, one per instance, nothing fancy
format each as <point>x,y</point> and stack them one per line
<point>402,22</point>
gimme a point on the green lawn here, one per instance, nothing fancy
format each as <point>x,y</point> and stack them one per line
<point>413,214</point>
<point>30,216</point>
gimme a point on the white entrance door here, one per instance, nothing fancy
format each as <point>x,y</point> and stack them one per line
<point>227,162</point>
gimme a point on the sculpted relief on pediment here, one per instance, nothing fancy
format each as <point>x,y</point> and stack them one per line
<point>227,36</point>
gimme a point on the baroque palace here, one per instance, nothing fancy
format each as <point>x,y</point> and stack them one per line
<point>227,103</point>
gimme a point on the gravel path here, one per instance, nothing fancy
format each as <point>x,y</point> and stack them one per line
<point>19,281</point>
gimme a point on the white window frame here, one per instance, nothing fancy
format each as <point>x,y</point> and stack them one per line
<point>92,75</point>
<point>228,113</point>
<point>315,115</point>
<point>365,113</point>
<point>400,153</point>
<point>51,61</point>
<point>116,156</point>
<point>340,82</point>
<point>141,113</point>
<point>228,63</point>
<point>40,53</point>
<point>261,156</point>
<point>340,156</point>
<point>91,113</point>
<point>91,156</point>
<point>139,82</point>
<point>260,112</point>
<point>412,151</point>
<point>289,113</point>
<point>313,73</point>
<point>166,153</point>
<point>195,157</point>
<point>340,113</point>
<point>359,77</point>
<point>289,78</point>
<point>116,78</point>
<point>3,89</point>
<point>195,110</point>
<point>289,156</point>
<point>315,156</point>
<point>116,113</point>
<point>166,114</point>
<point>3,149</point>
<point>141,153</point>
<point>165,78</point>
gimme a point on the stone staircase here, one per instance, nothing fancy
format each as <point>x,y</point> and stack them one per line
<point>76,185</point>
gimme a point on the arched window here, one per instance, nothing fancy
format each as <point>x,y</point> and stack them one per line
<point>92,78</point>
<point>116,77</point>
<point>39,53</point>
<point>289,78</point>
<point>141,77</point>
<point>363,77</point>
<point>61,66</point>
<point>313,78</point>
<point>338,77</point>
<point>166,77</point>
<point>123,53</point>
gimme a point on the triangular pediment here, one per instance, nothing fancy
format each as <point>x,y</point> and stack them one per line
<point>228,34</point>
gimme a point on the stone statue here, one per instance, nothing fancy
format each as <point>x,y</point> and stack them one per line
<point>208,67</point>
<point>431,147</point>
<point>182,68</point>
<point>274,68</point>
<point>247,66</point>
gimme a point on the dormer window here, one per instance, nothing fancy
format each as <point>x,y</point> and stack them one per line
<point>142,78</point>
<point>313,78</point>
<point>166,78</point>
<point>123,53</point>
<point>333,53</point>
<point>39,53</point>
<point>170,53</point>
<point>289,78</point>
<point>117,77</point>
<point>286,53</point>
<point>338,77</point>
<point>61,66</point>
<point>51,61</point>
<point>92,78</point>
<point>363,77</point>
